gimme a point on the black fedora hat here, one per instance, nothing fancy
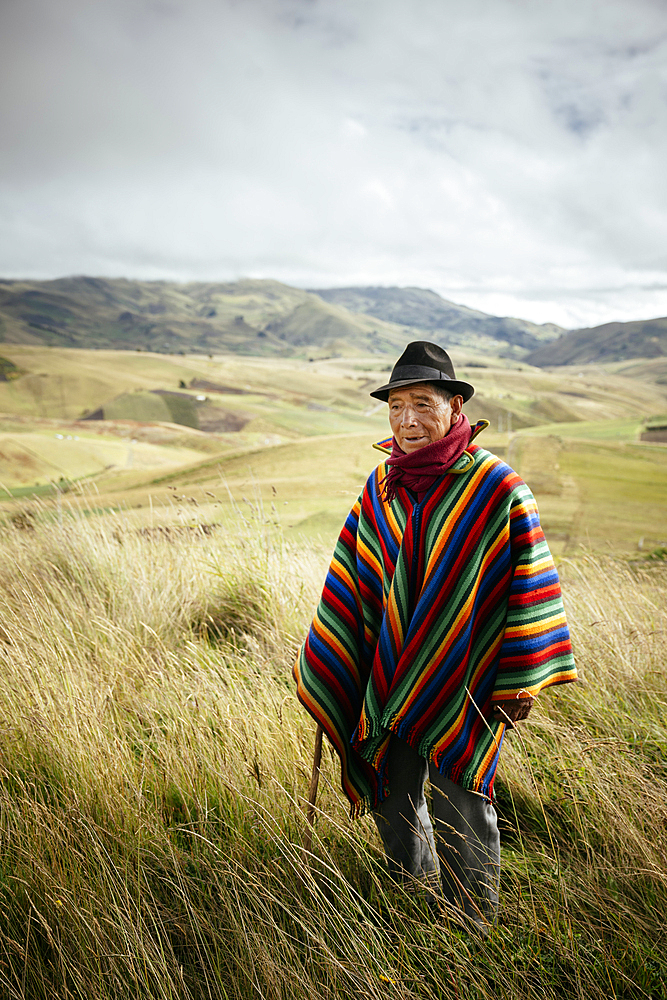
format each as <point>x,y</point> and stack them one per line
<point>424,362</point>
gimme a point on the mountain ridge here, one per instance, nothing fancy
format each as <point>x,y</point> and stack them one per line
<point>424,309</point>
<point>266,318</point>
<point>249,316</point>
<point>609,342</point>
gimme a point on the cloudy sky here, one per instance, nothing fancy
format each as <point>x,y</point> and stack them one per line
<point>510,154</point>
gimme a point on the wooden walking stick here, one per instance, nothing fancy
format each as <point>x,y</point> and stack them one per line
<point>312,789</point>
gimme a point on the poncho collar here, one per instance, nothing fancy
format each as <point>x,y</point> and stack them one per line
<point>419,470</point>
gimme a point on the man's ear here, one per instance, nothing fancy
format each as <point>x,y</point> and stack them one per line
<point>456,402</point>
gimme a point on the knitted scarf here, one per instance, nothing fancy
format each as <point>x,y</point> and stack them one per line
<point>418,470</point>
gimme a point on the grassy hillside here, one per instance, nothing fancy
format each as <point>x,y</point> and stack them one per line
<point>264,318</point>
<point>34,453</point>
<point>155,764</point>
<point>71,383</point>
<point>445,322</point>
<point>607,343</point>
<point>604,496</point>
<point>245,317</point>
<point>585,393</point>
<point>653,370</point>
<point>299,435</point>
<point>68,384</point>
<point>601,491</point>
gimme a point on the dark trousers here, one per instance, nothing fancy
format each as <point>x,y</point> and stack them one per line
<point>464,854</point>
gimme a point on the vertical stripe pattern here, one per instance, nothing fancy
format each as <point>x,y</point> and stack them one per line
<point>429,611</point>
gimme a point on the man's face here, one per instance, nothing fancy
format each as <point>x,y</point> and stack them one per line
<point>419,415</point>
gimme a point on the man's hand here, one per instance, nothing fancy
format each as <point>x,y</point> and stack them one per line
<point>513,710</point>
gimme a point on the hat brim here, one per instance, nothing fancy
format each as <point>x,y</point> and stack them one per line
<point>453,386</point>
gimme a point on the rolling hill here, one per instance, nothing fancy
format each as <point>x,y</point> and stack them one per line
<point>141,430</point>
<point>446,322</point>
<point>607,343</point>
<point>246,317</point>
<point>295,397</point>
<point>252,317</point>
<point>265,318</point>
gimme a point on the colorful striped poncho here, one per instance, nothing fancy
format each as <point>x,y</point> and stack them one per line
<point>429,612</point>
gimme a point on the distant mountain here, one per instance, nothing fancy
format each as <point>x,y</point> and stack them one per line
<point>446,322</point>
<point>253,317</point>
<point>609,342</point>
<point>246,317</point>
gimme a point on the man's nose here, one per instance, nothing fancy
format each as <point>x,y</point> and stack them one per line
<point>408,417</point>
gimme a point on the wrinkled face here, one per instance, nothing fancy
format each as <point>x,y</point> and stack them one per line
<point>419,415</point>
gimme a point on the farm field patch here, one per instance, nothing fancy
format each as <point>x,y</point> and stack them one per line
<point>295,437</point>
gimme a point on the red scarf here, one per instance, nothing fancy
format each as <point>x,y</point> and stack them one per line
<point>418,470</point>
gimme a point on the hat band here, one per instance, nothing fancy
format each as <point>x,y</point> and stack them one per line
<point>420,373</point>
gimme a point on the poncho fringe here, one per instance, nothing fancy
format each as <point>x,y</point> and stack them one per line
<point>431,611</point>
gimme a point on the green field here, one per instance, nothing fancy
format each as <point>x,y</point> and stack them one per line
<point>298,435</point>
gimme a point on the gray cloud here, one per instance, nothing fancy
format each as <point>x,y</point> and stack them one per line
<point>509,155</point>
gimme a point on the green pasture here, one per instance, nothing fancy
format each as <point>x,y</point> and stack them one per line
<point>594,430</point>
<point>601,495</point>
<point>306,434</point>
<point>604,492</point>
<point>623,495</point>
<point>65,383</point>
<point>31,459</point>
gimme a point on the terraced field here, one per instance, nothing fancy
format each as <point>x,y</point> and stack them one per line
<point>296,437</point>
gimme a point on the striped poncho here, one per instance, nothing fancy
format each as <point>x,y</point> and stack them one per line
<point>430,611</point>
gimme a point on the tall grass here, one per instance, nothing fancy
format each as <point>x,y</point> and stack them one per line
<point>154,762</point>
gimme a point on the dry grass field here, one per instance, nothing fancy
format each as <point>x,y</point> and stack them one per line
<point>155,583</point>
<point>155,762</point>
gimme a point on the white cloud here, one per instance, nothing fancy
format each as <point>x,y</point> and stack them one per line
<point>509,155</point>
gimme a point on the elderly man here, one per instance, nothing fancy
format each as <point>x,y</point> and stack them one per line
<point>440,622</point>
